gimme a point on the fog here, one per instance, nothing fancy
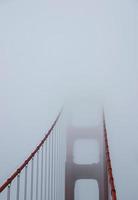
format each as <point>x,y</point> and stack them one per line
<point>54,52</point>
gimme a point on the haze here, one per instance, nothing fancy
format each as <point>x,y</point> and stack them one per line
<point>53,52</point>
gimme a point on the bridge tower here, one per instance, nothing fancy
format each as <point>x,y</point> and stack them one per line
<point>94,171</point>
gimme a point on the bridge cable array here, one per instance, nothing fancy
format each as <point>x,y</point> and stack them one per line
<point>41,176</point>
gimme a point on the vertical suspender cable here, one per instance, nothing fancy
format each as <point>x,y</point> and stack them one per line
<point>48,178</point>
<point>9,192</point>
<point>45,179</point>
<point>52,146</point>
<point>32,177</point>
<point>59,179</point>
<point>58,175</point>
<point>56,169</point>
<point>64,157</point>
<point>18,187</point>
<point>25,183</point>
<point>60,162</point>
<point>41,195</point>
<point>55,163</point>
<point>50,160</point>
<point>61,153</point>
<point>47,170</point>
<point>37,175</point>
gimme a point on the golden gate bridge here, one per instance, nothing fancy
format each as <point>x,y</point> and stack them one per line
<point>50,173</point>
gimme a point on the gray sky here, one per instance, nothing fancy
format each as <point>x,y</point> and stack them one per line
<point>51,51</point>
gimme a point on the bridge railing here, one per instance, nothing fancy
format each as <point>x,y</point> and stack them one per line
<point>111,185</point>
<point>41,175</point>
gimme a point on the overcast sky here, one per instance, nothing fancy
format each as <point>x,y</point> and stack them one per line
<point>51,51</point>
